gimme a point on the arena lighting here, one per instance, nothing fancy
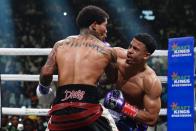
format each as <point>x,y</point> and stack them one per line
<point>7,24</point>
<point>56,10</point>
<point>126,13</point>
<point>64,13</point>
<point>8,39</point>
<point>148,15</point>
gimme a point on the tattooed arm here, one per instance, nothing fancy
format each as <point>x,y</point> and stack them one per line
<point>111,72</point>
<point>43,89</point>
<point>47,70</point>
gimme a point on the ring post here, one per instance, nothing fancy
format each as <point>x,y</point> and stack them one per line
<point>180,84</point>
<point>0,103</point>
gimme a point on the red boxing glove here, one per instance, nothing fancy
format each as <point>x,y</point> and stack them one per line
<point>129,110</point>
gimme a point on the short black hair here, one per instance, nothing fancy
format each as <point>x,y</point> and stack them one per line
<point>147,40</point>
<point>90,14</point>
<point>28,121</point>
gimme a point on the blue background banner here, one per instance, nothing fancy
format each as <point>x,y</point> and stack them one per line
<point>181,84</point>
<point>180,48</point>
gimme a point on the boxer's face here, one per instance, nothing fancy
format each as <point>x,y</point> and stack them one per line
<point>136,52</point>
<point>101,30</point>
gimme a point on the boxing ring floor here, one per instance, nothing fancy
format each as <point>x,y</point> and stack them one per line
<point>35,77</point>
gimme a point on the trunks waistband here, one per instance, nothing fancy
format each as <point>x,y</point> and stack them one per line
<point>77,93</point>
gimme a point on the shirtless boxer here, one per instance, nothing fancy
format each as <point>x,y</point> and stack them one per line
<point>138,97</point>
<point>80,60</point>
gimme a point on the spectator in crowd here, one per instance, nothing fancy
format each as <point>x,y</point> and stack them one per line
<point>29,125</point>
<point>14,123</point>
<point>4,122</point>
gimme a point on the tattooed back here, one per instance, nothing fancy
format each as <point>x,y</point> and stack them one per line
<point>81,59</point>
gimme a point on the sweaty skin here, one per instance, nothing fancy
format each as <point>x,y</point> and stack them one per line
<point>138,82</point>
<point>79,59</point>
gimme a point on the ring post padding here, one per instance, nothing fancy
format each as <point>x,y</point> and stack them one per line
<point>180,103</point>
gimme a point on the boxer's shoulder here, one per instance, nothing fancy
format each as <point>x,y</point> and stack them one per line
<point>72,36</point>
<point>119,49</point>
<point>66,40</point>
<point>151,81</point>
<point>113,54</point>
<point>121,52</point>
<point>149,74</point>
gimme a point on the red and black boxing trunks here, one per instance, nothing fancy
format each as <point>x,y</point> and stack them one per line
<point>76,107</point>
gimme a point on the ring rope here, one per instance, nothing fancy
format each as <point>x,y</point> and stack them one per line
<point>46,51</point>
<point>44,112</point>
<point>24,111</point>
<point>24,51</point>
<point>25,77</point>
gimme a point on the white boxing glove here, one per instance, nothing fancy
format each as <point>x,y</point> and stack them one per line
<point>45,95</point>
<point>43,90</point>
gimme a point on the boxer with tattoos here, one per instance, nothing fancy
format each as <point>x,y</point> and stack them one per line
<point>80,60</point>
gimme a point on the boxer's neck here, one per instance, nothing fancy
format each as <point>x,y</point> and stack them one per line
<point>134,69</point>
<point>89,32</point>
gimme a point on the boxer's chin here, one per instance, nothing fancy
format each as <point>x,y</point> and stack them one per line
<point>129,62</point>
<point>103,38</point>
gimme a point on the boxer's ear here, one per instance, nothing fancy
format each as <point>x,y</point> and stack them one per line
<point>147,55</point>
<point>93,26</point>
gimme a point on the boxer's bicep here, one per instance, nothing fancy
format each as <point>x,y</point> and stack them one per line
<point>152,101</point>
<point>152,105</point>
<point>150,113</point>
<point>111,73</point>
<point>47,70</point>
<point>51,60</point>
<point>112,69</point>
